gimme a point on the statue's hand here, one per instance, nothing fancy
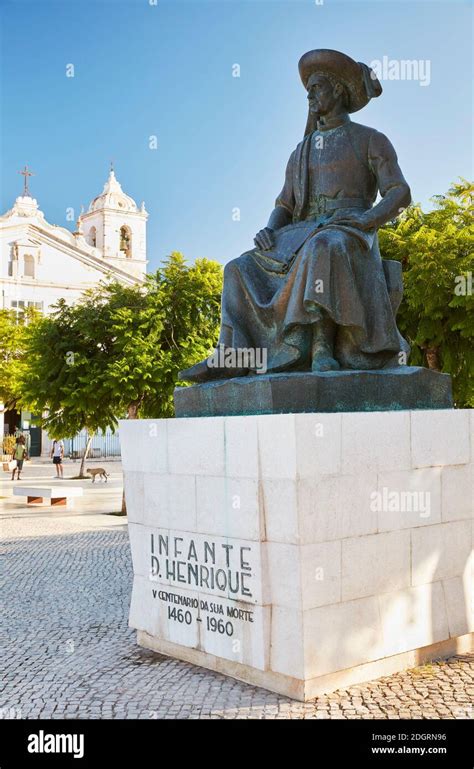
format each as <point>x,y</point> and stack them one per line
<point>265,239</point>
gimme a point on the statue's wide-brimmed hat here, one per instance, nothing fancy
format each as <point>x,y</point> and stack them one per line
<point>359,79</point>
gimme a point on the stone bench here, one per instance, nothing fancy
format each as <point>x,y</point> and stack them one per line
<point>57,495</point>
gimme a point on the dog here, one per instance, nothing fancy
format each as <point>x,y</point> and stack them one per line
<point>98,471</point>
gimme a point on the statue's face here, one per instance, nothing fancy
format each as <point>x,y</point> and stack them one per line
<point>322,94</point>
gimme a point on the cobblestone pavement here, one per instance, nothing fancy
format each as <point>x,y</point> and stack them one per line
<point>70,653</point>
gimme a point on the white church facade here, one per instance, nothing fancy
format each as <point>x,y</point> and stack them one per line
<point>41,263</point>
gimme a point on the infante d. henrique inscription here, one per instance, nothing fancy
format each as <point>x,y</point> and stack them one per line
<point>216,566</point>
<point>203,592</point>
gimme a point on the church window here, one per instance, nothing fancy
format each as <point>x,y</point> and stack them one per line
<point>19,306</point>
<point>126,241</point>
<point>92,237</point>
<point>29,266</point>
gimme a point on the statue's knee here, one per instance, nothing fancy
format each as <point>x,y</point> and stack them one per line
<point>333,240</point>
<point>235,266</point>
<point>230,268</point>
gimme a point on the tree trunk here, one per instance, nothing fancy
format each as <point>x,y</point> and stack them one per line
<point>132,413</point>
<point>86,452</point>
<point>433,358</point>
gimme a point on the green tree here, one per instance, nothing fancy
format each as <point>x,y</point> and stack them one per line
<point>118,350</point>
<point>13,344</point>
<point>437,311</point>
<point>58,376</point>
<point>11,355</point>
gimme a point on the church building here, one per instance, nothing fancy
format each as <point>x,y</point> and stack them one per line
<point>41,263</point>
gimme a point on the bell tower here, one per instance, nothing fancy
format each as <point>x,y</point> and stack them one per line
<point>116,227</point>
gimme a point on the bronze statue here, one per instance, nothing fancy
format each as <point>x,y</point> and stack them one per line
<point>313,292</point>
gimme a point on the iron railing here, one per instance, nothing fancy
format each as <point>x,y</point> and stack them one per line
<point>104,445</point>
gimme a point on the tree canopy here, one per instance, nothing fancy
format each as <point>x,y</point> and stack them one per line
<point>437,311</point>
<point>118,350</point>
<point>13,342</point>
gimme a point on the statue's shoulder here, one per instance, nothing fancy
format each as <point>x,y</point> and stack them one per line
<point>364,131</point>
<point>368,134</point>
<point>371,141</point>
<point>301,144</point>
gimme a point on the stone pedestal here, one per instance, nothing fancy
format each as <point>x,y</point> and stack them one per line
<point>302,552</point>
<point>392,389</point>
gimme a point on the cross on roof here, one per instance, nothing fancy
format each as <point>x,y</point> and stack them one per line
<point>26,173</point>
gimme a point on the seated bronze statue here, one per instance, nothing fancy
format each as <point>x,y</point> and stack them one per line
<point>313,293</point>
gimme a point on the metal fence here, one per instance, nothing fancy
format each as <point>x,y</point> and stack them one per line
<point>104,445</point>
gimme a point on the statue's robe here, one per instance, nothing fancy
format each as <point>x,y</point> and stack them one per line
<point>271,300</point>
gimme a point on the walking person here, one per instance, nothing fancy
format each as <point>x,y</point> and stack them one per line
<point>19,455</point>
<point>57,455</point>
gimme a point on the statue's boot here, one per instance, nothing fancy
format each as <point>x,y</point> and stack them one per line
<point>322,350</point>
<point>202,372</point>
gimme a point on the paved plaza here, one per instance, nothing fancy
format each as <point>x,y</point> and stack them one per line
<point>70,653</point>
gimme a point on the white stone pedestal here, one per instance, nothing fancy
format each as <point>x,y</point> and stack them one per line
<point>302,552</point>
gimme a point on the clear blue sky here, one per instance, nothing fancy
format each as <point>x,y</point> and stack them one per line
<point>223,142</point>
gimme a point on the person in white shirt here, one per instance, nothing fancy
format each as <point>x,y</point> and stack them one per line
<point>57,455</point>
